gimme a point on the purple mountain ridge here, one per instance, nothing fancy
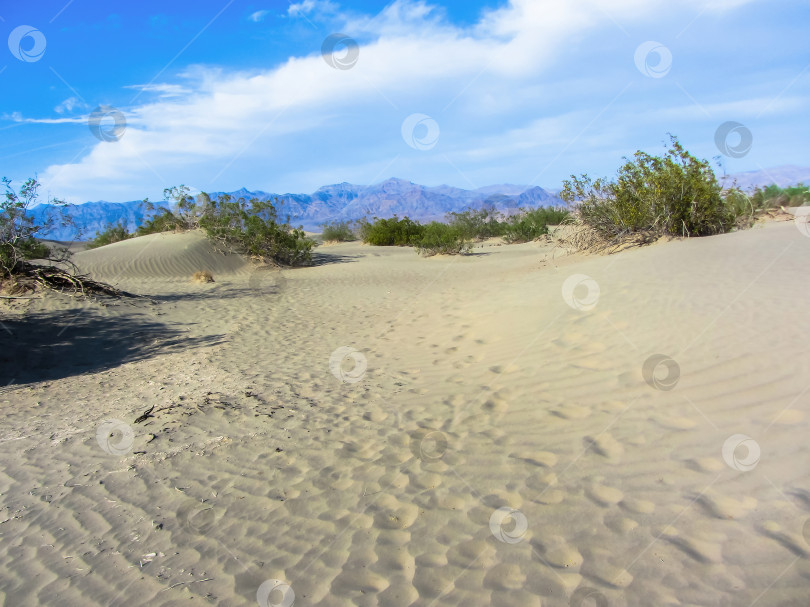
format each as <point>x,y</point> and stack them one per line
<point>342,201</point>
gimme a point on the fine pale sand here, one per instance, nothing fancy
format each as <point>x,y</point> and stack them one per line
<point>383,429</point>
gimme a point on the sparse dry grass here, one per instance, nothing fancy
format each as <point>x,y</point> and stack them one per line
<point>202,276</point>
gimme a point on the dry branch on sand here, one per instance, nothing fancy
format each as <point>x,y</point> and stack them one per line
<point>30,278</point>
<point>202,276</point>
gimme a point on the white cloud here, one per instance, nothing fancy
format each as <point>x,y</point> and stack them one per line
<point>309,7</point>
<point>486,86</point>
<point>68,105</point>
<point>259,16</point>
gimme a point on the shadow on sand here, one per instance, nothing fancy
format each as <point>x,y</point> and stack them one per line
<point>45,346</point>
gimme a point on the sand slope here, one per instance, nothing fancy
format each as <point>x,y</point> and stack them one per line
<point>165,255</point>
<point>499,447</point>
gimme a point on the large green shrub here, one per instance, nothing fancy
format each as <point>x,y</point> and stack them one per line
<point>476,224</point>
<point>390,232</point>
<point>440,238</point>
<point>252,228</point>
<point>530,224</point>
<point>337,231</point>
<point>674,194</point>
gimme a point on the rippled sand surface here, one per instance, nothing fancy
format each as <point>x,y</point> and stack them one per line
<point>517,427</point>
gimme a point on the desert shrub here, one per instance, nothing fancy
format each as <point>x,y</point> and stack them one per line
<point>530,224</point>
<point>673,194</point>
<point>440,238</point>
<point>476,224</point>
<point>390,232</point>
<point>202,276</point>
<point>252,227</point>
<point>113,233</point>
<point>338,231</point>
<point>18,232</point>
<point>773,196</point>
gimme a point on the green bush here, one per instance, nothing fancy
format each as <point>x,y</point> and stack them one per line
<point>476,224</point>
<point>440,238</point>
<point>251,227</point>
<point>773,196</point>
<point>390,232</point>
<point>113,233</point>
<point>529,225</point>
<point>18,232</point>
<point>337,231</point>
<point>674,194</point>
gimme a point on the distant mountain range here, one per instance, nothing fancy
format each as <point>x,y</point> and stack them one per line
<point>343,201</point>
<point>782,176</point>
<point>346,201</point>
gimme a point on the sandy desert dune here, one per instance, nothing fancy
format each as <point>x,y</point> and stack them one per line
<point>515,427</point>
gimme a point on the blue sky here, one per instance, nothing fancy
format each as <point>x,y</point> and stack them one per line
<point>223,94</point>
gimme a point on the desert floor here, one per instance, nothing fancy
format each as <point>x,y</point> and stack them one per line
<point>383,429</point>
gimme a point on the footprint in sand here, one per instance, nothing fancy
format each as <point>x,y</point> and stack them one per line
<point>604,496</point>
<point>605,445</point>
<point>797,543</point>
<point>722,506</point>
<point>571,411</point>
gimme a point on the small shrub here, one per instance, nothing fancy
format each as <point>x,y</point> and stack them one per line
<point>203,276</point>
<point>441,239</point>
<point>773,196</point>
<point>477,224</point>
<point>393,232</point>
<point>18,232</point>
<point>674,194</point>
<point>337,231</point>
<point>531,224</point>
<point>113,233</point>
